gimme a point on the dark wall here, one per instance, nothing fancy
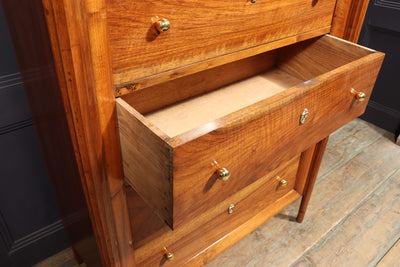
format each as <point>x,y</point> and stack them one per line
<point>30,226</point>
<point>381,31</point>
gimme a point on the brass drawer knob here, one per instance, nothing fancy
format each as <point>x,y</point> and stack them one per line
<point>162,25</point>
<point>360,96</point>
<point>282,182</point>
<point>230,209</point>
<point>168,255</point>
<point>223,174</point>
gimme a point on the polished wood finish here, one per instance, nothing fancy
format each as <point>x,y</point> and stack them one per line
<point>312,58</point>
<point>198,83</point>
<point>352,218</point>
<point>132,86</point>
<point>234,141</point>
<point>85,81</point>
<point>348,19</point>
<point>96,56</point>
<point>147,160</point>
<point>191,37</point>
<point>304,167</point>
<point>49,108</point>
<point>253,205</point>
<point>312,177</point>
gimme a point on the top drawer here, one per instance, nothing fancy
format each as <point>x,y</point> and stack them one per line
<point>200,30</point>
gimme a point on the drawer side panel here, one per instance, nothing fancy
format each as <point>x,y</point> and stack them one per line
<point>146,161</point>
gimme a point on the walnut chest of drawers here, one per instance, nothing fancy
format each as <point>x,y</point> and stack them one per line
<point>173,129</point>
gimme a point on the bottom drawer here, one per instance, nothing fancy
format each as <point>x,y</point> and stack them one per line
<point>253,205</point>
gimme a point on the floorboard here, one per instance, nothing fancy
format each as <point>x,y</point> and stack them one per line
<point>391,259</point>
<point>359,159</point>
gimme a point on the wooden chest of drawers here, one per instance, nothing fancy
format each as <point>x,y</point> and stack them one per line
<point>185,125</point>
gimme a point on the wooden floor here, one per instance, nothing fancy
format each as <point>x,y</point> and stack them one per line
<point>353,218</point>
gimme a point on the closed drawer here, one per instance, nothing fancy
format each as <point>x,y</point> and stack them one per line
<point>200,30</point>
<point>264,198</point>
<point>171,155</point>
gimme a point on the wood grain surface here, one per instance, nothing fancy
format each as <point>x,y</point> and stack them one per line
<point>348,19</point>
<point>253,205</point>
<point>135,85</point>
<point>79,40</point>
<point>391,259</point>
<point>360,162</point>
<point>98,43</point>
<point>311,178</point>
<point>176,90</point>
<point>354,248</point>
<point>352,153</point>
<point>311,58</point>
<point>251,139</point>
<point>146,160</point>
<point>241,141</point>
<point>31,31</point>
<point>192,38</point>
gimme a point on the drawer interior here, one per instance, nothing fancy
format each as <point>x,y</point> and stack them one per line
<point>186,103</point>
<point>180,133</point>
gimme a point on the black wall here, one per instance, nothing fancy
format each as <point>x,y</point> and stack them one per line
<point>30,226</point>
<point>381,31</point>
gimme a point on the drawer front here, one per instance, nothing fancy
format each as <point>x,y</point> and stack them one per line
<point>268,134</point>
<point>201,30</point>
<point>261,198</point>
<point>176,174</point>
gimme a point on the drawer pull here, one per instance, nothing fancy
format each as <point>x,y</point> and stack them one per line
<point>360,96</point>
<point>168,255</point>
<point>303,116</point>
<point>230,209</point>
<point>223,174</point>
<point>162,25</point>
<point>254,1</point>
<point>282,182</point>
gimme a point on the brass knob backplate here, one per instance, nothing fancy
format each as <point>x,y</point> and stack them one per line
<point>162,25</point>
<point>360,96</point>
<point>223,174</point>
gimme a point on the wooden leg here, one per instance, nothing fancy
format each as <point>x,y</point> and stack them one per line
<point>312,176</point>
<point>398,140</point>
<point>77,256</point>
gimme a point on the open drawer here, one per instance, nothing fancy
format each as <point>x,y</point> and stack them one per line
<point>179,138</point>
